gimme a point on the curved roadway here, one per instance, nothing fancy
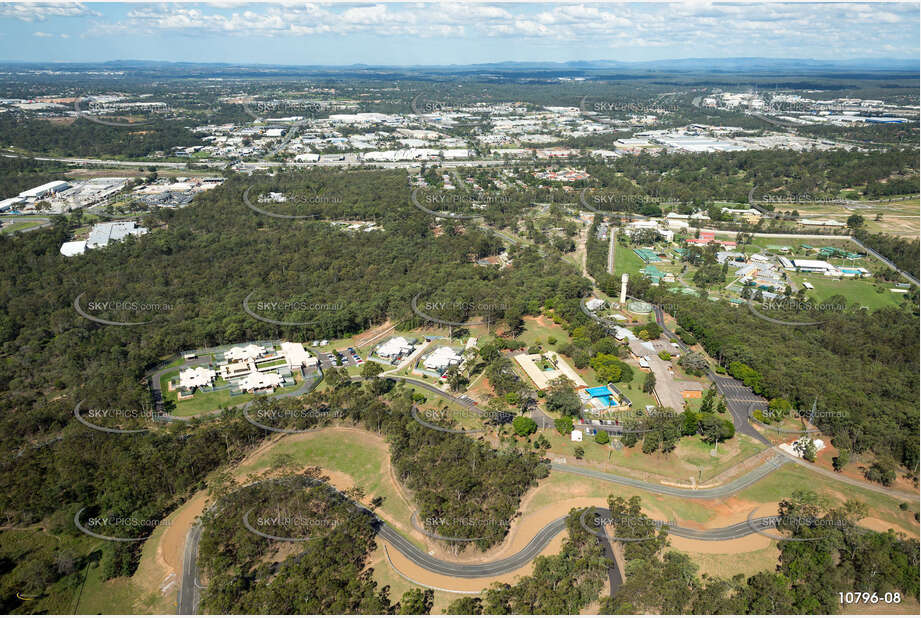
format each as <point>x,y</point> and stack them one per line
<point>188,598</point>
<point>543,537</point>
<point>189,590</point>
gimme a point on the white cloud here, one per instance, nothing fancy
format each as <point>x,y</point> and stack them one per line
<point>733,29</point>
<point>40,11</point>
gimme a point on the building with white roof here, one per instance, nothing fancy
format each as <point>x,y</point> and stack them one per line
<point>101,235</point>
<point>814,266</point>
<point>396,346</point>
<point>104,233</point>
<point>297,357</point>
<point>251,351</point>
<point>75,247</point>
<point>49,188</point>
<point>594,304</point>
<point>821,222</point>
<point>10,203</point>
<point>651,224</point>
<point>442,358</point>
<point>257,381</point>
<point>196,377</point>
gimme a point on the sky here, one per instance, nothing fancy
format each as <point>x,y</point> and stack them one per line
<point>444,33</point>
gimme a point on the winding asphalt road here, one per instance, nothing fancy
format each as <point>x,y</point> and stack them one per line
<point>189,591</point>
<point>722,491</point>
<point>542,538</point>
<point>188,597</point>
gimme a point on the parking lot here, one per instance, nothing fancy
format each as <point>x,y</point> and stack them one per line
<point>346,357</point>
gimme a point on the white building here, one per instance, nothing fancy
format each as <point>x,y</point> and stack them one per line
<point>196,377</point>
<point>814,266</point>
<point>101,235</point>
<point>655,226</point>
<point>576,435</point>
<point>821,222</point>
<point>238,353</point>
<point>441,359</point>
<point>104,233</point>
<point>49,188</point>
<point>594,304</point>
<point>297,357</point>
<point>259,381</point>
<point>397,346</point>
<point>75,247</point>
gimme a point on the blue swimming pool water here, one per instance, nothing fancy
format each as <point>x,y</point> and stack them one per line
<point>598,391</point>
<point>603,394</point>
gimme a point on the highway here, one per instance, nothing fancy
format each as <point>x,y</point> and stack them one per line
<point>885,261</point>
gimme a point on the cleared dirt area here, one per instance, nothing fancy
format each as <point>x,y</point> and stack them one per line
<point>854,469</point>
<point>727,565</point>
<point>366,455</point>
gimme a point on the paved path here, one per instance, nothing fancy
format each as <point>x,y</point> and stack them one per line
<point>189,595</point>
<point>727,489</point>
<point>40,222</point>
<point>739,398</point>
<point>189,591</point>
<point>611,236</point>
<point>893,493</point>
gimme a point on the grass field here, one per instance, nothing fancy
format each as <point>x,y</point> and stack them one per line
<point>860,291</point>
<point>727,565</point>
<point>791,477</point>
<point>208,402</point>
<point>19,226</point>
<point>626,261</point>
<point>81,591</point>
<point>691,458</point>
<point>360,455</point>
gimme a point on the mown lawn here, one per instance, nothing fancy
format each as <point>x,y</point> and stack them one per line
<point>208,402</point>
<point>859,291</point>
<point>783,482</point>
<point>360,456</point>
<point>691,458</point>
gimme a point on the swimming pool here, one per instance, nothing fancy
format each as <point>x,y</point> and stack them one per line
<point>603,394</point>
